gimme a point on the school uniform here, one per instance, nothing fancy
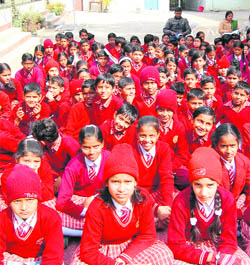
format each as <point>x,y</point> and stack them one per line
<point>137,68</point>
<point>5,107</point>
<point>137,83</point>
<point>112,137</point>
<point>15,92</point>
<point>105,111</point>
<point>245,73</point>
<point>10,136</point>
<point>61,152</point>
<point>236,178</point>
<point>245,231</point>
<point>183,64</point>
<point>78,117</point>
<point>155,172</point>
<point>148,59</point>
<point>179,227</point>
<point>87,58</point>
<point>216,104</point>
<point>225,91</point>
<point>186,118</point>
<point>96,70</point>
<point>36,75</point>
<point>29,116</point>
<point>246,139</point>
<point>237,118</point>
<point>133,239</point>
<point>44,239</point>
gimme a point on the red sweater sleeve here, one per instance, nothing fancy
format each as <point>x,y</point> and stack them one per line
<point>5,109</point>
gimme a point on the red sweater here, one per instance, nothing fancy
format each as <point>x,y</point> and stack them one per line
<point>178,144</point>
<point>75,180</point>
<point>159,174</point>
<point>246,139</point>
<point>103,226</point>
<point>14,94</point>
<point>5,108</point>
<point>67,150</point>
<point>78,118</point>
<point>143,108</point>
<point>111,138</point>
<point>45,174</point>
<point>225,91</point>
<point>138,72</point>
<point>45,240</point>
<point>179,227</point>
<point>100,115</point>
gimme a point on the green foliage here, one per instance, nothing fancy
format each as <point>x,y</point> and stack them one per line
<point>31,21</point>
<point>57,8</point>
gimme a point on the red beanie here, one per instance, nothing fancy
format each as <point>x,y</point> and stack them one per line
<point>51,63</point>
<point>48,44</point>
<point>223,62</point>
<point>150,73</point>
<point>205,163</point>
<point>167,99</point>
<point>121,160</point>
<point>23,182</point>
<point>75,86</point>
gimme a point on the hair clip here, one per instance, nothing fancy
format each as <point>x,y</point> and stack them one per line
<point>193,221</point>
<point>218,212</point>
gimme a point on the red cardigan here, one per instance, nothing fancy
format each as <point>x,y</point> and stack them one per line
<point>143,108</point>
<point>75,180</point>
<point>159,174</point>
<point>103,226</point>
<point>110,139</point>
<point>5,108</point>
<point>179,227</point>
<point>15,94</point>
<point>45,240</point>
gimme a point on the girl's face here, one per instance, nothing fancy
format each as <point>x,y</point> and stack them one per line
<point>197,43</point>
<point>91,148</point>
<point>223,71</point>
<point>159,53</point>
<point>163,79</point>
<point>78,97</point>
<point>239,97</point>
<point>24,207</point>
<point>211,55</point>
<point>229,17</point>
<point>73,50</point>
<point>63,61</point>
<point>228,147</point>
<point>202,36</point>
<point>84,76</point>
<point>237,51</point>
<point>204,189</point>
<point>203,124</point>
<point>126,65</point>
<point>151,50</point>
<point>5,76</point>
<point>88,95</point>
<point>189,41</point>
<point>183,54</point>
<point>38,55</point>
<point>246,50</point>
<point>32,160</point>
<point>150,87</point>
<point>102,61</point>
<point>121,187</point>
<point>147,137</point>
<point>28,65</point>
<point>104,90</point>
<point>171,67</point>
<point>164,115</point>
<point>53,71</point>
<point>209,90</point>
<point>199,63</point>
<point>137,56</point>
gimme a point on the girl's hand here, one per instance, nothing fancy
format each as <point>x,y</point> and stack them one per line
<point>163,212</point>
<point>20,113</point>
<point>49,96</point>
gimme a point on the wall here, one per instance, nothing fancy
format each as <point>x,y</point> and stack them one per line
<point>229,4</point>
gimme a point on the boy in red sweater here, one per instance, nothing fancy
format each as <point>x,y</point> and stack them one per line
<point>190,79</point>
<point>30,233</point>
<point>150,81</point>
<point>137,63</point>
<point>86,53</point>
<point>120,129</point>
<point>106,104</point>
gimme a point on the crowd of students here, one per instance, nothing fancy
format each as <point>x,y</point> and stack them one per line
<point>112,143</point>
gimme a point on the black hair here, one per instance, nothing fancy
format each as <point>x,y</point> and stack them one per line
<point>124,81</point>
<point>199,39</point>
<point>88,131</point>
<point>63,36</point>
<point>173,60</point>
<point>150,121</point>
<point>197,55</point>
<point>83,41</point>
<point>226,38</point>
<point>214,228</point>
<point>148,38</point>
<point>135,38</point>
<point>128,110</point>
<point>156,38</point>
<point>204,110</point>
<point>114,68</point>
<point>137,48</point>
<point>162,47</point>
<point>81,63</point>
<point>82,31</point>
<point>102,53</point>
<point>83,70</point>
<point>127,48</point>
<point>58,35</point>
<point>182,48</point>
<point>89,83</point>
<point>178,9</point>
<point>244,86</point>
<point>204,44</point>
<point>189,71</point>
<point>239,44</point>
<point>58,80</point>
<point>174,42</point>
<point>119,40</point>
<point>178,87</point>
<point>210,48</point>
<point>151,43</point>
<point>190,36</point>
<point>90,36</point>
<point>167,52</point>
<point>72,43</point>
<point>162,69</point>
<point>225,129</point>
<point>198,34</point>
<point>96,46</point>
<point>27,57</point>
<point>207,79</point>
<point>62,54</point>
<point>106,78</point>
<point>216,40</point>
<point>27,145</point>
<point>69,35</point>
<point>32,87</point>
<point>39,48</point>
<point>229,12</point>
<point>5,67</point>
<point>45,130</point>
<point>234,71</point>
<point>111,35</point>
<point>195,93</point>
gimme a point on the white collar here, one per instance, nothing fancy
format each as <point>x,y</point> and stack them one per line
<point>31,221</point>
<point>118,206</point>
<point>97,162</point>
<point>151,151</point>
<point>208,207</point>
<point>227,164</point>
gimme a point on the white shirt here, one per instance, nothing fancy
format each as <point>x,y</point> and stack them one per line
<point>97,163</point>
<point>208,207</point>
<point>145,153</point>
<point>118,207</point>
<point>29,222</point>
<point>228,165</point>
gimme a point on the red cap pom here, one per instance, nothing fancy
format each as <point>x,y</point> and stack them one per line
<point>167,99</point>
<point>75,86</point>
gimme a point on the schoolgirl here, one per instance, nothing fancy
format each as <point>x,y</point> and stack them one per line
<point>212,60</point>
<point>127,209</point>
<point>199,64</point>
<point>202,228</point>
<point>159,55</point>
<point>173,71</point>
<point>39,56</point>
<point>149,55</point>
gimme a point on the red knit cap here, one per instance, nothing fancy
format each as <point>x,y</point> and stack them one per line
<point>121,160</point>
<point>167,99</point>
<point>23,182</point>
<point>205,163</point>
<point>150,73</point>
<point>223,62</point>
<point>48,44</point>
<point>75,86</point>
<point>51,63</point>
